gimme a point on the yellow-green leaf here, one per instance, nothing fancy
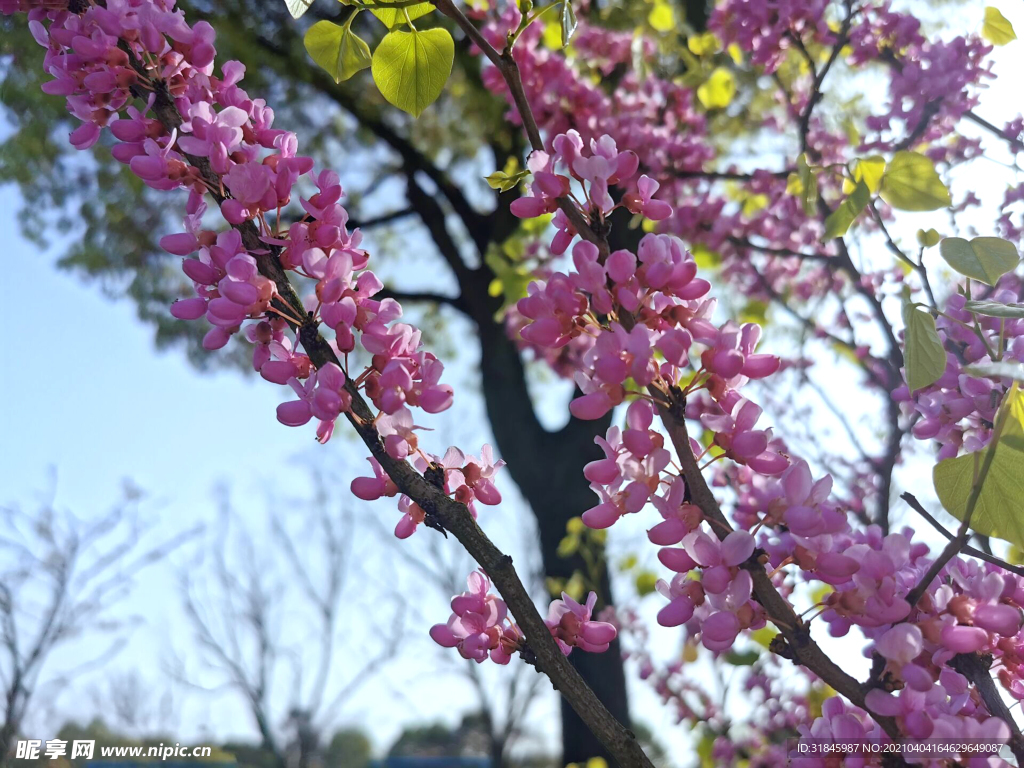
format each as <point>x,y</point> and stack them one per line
<point>983,258</point>
<point>928,238</point>
<point>575,586</point>
<point>763,636</point>
<point>411,68</point>
<point>298,7</point>
<point>717,91</point>
<point>662,18</point>
<point>645,582</point>
<point>567,22</point>
<point>395,17</point>
<point>504,181</point>
<point>911,183</point>
<point>808,179</point>
<point>337,49</point>
<point>568,546</point>
<point>839,221</point>
<point>997,493</point>
<point>997,29</point>
<point>511,280</point>
<point>870,171</point>
<point>552,35</point>
<point>754,311</point>
<point>923,354</point>
<point>700,45</point>
<point>705,257</point>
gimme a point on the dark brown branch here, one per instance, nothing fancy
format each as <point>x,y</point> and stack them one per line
<point>899,254</point>
<point>804,649</point>
<point>386,218</point>
<point>967,548</point>
<point>976,669</point>
<point>1015,143</point>
<point>725,175</point>
<point>450,515</point>
<point>670,408</point>
<point>423,296</point>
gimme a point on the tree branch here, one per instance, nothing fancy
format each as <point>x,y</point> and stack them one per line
<point>448,513</point>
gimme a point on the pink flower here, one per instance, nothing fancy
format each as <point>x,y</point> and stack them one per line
<point>642,202</point>
<point>571,626</point>
<point>477,625</point>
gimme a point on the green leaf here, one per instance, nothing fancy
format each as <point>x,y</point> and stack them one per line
<point>997,29</point>
<point>411,68</point>
<point>504,181</point>
<point>568,546</point>
<point>991,480</point>
<point>575,586</point>
<point>983,258</point>
<point>575,526</point>
<point>717,91</point>
<point>1004,369</point>
<point>808,185</point>
<point>662,18</point>
<point>510,280</point>
<point>554,586</point>
<point>568,22</point>
<point>395,17</point>
<point>645,582</point>
<point>298,7</point>
<point>870,171</point>
<point>704,44</point>
<point>841,218</point>
<point>337,49</point>
<point>742,658</point>
<point>928,238</point>
<point>923,355</point>
<point>995,309</point>
<point>911,183</point>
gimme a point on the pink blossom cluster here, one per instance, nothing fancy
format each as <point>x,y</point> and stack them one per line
<point>765,30</point>
<point>776,707</point>
<point>663,123</point>
<point>226,147</point>
<point>958,410</point>
<point>480,628</point>
<point>641,324</point>
<point>594,170</point>
<point>665,309</point>
<point>934,83</point>
<point>467,479</point>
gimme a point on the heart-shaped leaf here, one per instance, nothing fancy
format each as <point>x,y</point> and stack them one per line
<point>996,28</point>
<point>983,258</point>
<point>395,17</point>
<point>411,68</point>
<point>337,49</point>
<point>911,183</point>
